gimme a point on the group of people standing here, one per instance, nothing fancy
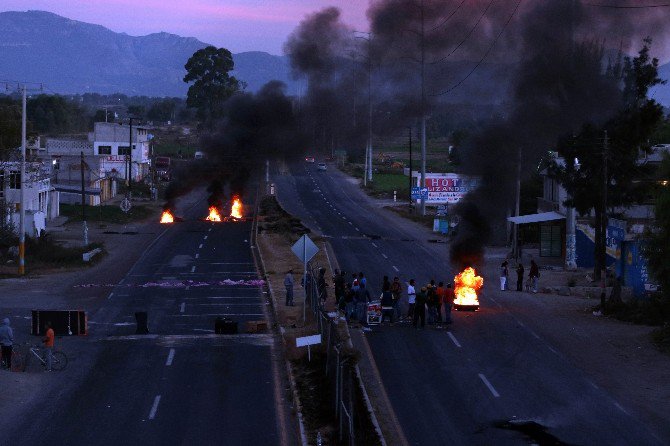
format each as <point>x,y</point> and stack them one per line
<point>533,276</point>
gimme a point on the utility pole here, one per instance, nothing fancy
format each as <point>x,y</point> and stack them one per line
<point>22,215</point>
<point>515,228</point>
<point>423,108</point>
<point>83,201</point>
<point>368,149</point>
<point>23,182</point>
<point>130,160</point>
<point>410,169</point>
<point>603,215</point>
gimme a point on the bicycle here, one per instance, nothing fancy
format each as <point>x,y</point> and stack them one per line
<point>58,358</point>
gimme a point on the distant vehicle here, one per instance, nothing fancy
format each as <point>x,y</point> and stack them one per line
<point>309,159</point>
<point>322,166</point>
<point>163,167</point>
<point>199,155</point>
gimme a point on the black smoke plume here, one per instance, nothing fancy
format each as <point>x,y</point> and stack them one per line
<point>256,127</point>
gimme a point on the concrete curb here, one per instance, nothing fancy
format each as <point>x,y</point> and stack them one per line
<point>258,256</point>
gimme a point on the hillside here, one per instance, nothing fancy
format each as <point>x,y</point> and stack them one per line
<point>75,57</point>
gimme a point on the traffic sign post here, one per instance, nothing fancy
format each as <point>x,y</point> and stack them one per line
<point>419,192</point>
<point>126,205</point>
<point>304,249</point>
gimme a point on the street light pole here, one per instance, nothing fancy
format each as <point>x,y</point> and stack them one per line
<point>22,185</point>
<point>410,169</point>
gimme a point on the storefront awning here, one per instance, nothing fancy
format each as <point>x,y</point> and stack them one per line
<point>536,218</point>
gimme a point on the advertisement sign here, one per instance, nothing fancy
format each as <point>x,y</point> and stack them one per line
<point>448,187</point>
<point>374,313</point>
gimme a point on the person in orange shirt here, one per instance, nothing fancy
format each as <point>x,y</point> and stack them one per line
<point>49,344</point>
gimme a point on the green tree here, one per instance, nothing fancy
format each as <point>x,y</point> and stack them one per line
<point>209,71</point>
<point>657,250</point>
<point>162,111</point>
<point>136,111</point>
<point>601,168</point>
<point>10,126</point>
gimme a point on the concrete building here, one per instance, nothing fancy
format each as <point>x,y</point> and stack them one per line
<point>106,158</point>
<point>40,198</point>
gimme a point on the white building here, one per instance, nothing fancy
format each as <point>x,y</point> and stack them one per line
<point>41,201</point>
<point>111,144</point>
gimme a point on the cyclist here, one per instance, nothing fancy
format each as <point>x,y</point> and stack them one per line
<point>6,341</point>
<point>48,344</point>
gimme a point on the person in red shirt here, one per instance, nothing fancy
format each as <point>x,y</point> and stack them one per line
<point>49,344</point>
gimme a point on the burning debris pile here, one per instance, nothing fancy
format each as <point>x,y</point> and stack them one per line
<point>466,285</point>
<point>167,217</point>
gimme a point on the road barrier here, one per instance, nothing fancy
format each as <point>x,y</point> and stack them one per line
<point>63,322</point>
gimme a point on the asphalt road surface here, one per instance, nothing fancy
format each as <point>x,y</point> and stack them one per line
<point>181,383</point>
<point>455,386</point>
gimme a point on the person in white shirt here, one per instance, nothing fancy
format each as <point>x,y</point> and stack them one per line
<point>411,298</point>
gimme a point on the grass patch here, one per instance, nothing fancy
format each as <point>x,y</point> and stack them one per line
<point>276,220</point>
<point>655,311</point>
<point>107,214</point>
<point>661,338</point>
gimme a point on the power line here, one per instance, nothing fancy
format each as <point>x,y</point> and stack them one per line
<point>663,5</point>
<point>467,36</point>
<point>449,16</point>
<point>485,54</point>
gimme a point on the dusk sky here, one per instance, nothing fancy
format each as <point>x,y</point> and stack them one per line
<point>239,25</point>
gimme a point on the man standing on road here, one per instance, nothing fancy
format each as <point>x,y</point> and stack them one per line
<point>534,274</point>
<point>288,283</point>
<point>7,342</point>
<point>420,308</point>
<point>519,276</point>
<point>396,289</point>
<point>411,299</point>
<point>48,344</point>
<point>503,276</point>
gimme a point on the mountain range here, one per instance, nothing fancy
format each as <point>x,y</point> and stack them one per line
<point>68,56</point>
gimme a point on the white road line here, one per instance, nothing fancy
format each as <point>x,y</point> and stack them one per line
<point>206,237</point>
<point>488,384</point>
<point>122,280</point>
<point>170,357</point>
<point>373,244</point>
<point>618,406</point>
<point>385,256</point>
<point>154,407</point>
<point>110,295</point>
<point>193,269</point>
<point>594,385</point>
<point>344,218</point>
<point>396,269</point>
<point>553,350</point>
<point>358,229</point>
<point>454,340</point>
<point>534,334</point>
<point>188,287</point>
<point>219,314</point>
<point>200,247</point>
<point>209,230</point>
<point>197,256</point>
<point>182,307</point>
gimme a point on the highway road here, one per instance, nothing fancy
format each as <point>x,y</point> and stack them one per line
<point>456,386</point>
<point>181,383</point>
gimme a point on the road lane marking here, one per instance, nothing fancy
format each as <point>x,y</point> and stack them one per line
<point>344,218</point>
<point>396,269</point>
<point>454,340</point>
<point>170,357</point>
<point>384,255</point>
<point>197,256</point>
<point>182,307</point>
<point>188,287</point>
<point>373,244</point>
<point>200,247</point>
<point>534,334</point>
<point>154,407</point>
<point>110,295</point>
<point>358,229</point>
<point>488,384</point>
<point>206,237</point>
<point>209,230</point>
<point>193,269</point>
<point>618,406</point>
<point>218,314</point>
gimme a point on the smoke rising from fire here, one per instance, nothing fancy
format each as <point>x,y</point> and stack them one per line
<point>542,64</point>
<point>257,127</point>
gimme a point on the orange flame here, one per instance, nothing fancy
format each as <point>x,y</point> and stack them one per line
<point>166,217</point>
<point>236,208</point>
<point>466,285</point>
<point>213,214</point>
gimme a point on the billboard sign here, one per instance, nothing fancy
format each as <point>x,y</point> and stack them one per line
<point>448,187</point>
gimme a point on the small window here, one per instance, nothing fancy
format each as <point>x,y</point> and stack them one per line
<point>14,180</point>
<point>104,150</point>
<point>124,150</point>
